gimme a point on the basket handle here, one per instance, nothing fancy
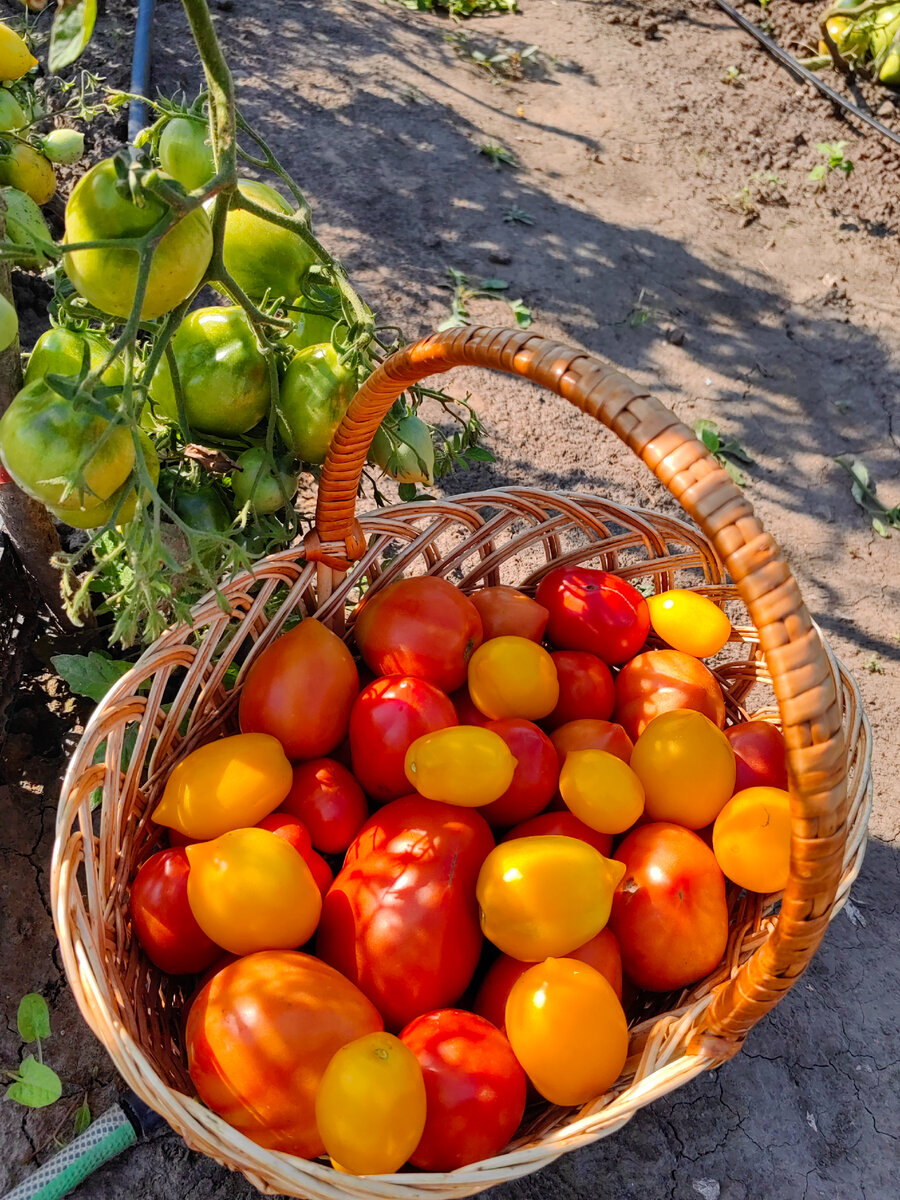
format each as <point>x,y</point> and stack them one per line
<point>802,678</point>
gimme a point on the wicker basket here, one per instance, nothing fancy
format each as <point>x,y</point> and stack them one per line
<point>184,690</point>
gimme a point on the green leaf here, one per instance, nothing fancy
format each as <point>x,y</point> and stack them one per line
<point>521,312</point>
<point>407,491</point>
<point>733,471</point>
<point>710,439</point>
<point>35,1085</point>
<point>71,31</point>
<point>494,285</point>
<point>480,454</point>
<point>818,172</point>
<point>33,1017</point>
<point>82,1118</point>
<point>90,675</point>
<point>880,527</point>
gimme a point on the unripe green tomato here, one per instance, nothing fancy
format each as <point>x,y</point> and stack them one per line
<point>185,152</point>
<point>890,69</point>
<point>885,25</point>
<point>315,392</point>
<point>11,114</point>
<point>25,225</point>
<point>9,323</point>
<point>60,351</point>
<point>64,146</point>
<point>268,486</point>
<point>261,256</point>
<point>22,167</point>
<point>412,461</point>
<point>203,509</point>
<point>122,503</point>
<point>311,329</point>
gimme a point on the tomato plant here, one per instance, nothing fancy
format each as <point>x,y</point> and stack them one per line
<point>163,922</point>
<point>595,611</point>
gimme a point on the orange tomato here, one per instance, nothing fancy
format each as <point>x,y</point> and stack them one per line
<point>689,622</point>
<point>513,677</point>
<point>507,612</point>
<point>601,790</point>
<point>588,734</point>
<point>686,766</point>
<point>660,680</point>
<point>752,839</point>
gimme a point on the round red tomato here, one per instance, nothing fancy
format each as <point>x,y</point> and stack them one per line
<point>589,734</point>
<point>595,611</point>
<point>669,912</point>
<point>329,802</point>
<point>423,627</point>
<point>162,917</point>
<point>507,612</point>
<point>661,680</point>
<point>474,1088</point>
<point>386,719</point>
<point>466,712</point>
<point>537,771</point>
<point>561,823</point>
<point>759,755</point>
<point>586,688</point>
<point>285,825</point>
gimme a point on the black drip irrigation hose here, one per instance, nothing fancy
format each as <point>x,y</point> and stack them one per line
<point>805,75</point>
<point>140,68</point>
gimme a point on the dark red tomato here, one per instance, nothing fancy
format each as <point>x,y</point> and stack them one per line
<point>177,838</point>
<point>466,711</point>
<point>588,734</point>
<point>320,871</point>
<point>285,825</point>
<point>329,802</point>
<point>759,755</point>
<point>423,627</point>
<point>669,911</point>
<point>401,918</point>
<point>474,1089</point>
<point>595,611</point>
<point>300,689</point>
<point>563,824</point>
<point>534,781</point>
<point>507,612</point>
<point>586,688</point>
<point>386,719</point>
<point>162,917</point>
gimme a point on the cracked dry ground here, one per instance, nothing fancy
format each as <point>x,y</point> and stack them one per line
<point>779,323</point>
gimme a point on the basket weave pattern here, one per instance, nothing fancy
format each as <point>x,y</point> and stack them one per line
<point>184,691</point>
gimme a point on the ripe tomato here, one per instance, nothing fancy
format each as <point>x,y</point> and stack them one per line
<point>689,622</point>
<point>24,168</point>
<point>534,779</point>
<point>260,256</point>
<point>370,1106</point>
<point>107,276</point>
<point>424,627</point>
<point>568,1030</point>
<point>669,912</point>
<point>589,734</point>
<point>386,718</point>
<point>474,1089</point>
<point>660,680</point>
<point>15,57</point>
<point>314,394</point>
<point>266,484</point>
<point>563,824</point>
<point>288,827</point>
<point>586,689</point>
<point>464,765</point>
<point>330,803</point>
<point>507,612</point>
<point>601,790</point>
<point>513,677</point>
<point>60,351</point>
<point>259,1037</point>
<point>401,919</point>
<point>301,689</point>
<point>759,755</point>
<point>409,457</point>
<point>752,839</point>
<point>466,712</point>
<point>162,918</point>
<point>594,610</point>
<point>185,152</point>
<point>686,766</point>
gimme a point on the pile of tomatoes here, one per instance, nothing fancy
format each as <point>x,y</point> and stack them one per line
<point>530,815</point>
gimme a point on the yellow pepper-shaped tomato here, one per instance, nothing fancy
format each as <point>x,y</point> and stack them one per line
<point>601,790</point>
<point>689,622</point>
<point>250,890</point>
<point>513,677</point>
<point>225,785</point>
<point>545,896</point>
<point>465,765</point>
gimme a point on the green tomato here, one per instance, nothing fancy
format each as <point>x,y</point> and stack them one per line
<point>64,146</point>
<point>22,167</point>
<point>315,392</point>
<point>108,277</point>
<point>890,69</point>
<point>185,152</point>
<point>886,24</point>
<point>260,256</point>
<point>11,114</point>
<point>268,486</point>
<point>412,461</point>
<point>203,509</point>
<point>122,503</point>
<point>9,323</point>
<point>223,373</point>
<point>25,226</point>
<point>43,438</point>
<point>60,351</point>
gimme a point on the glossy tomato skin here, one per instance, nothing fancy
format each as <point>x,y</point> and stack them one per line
<point>466,712</point>
<point>561,823</point>
<point>661,680</point>
<point>586,688</point>
<point>475,1089</point>
<point>301,689</point>
<point>507,612</point>
<point>328,800</point>
<point>423,627</point>
<point>386,718</point>
<point>401,919</point>
<point>536,773</point>
<point>595,611</point>
<point>669,912</point>
<point>163,921</point>
<point>259,1037</point>
<point>589,734</point>
<point>759,755</point>
<point>289,828</point>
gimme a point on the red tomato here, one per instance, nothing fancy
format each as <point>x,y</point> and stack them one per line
<point>386,719</point>
<point>661,680</point>
<point>177,838</point>
<point>329,802</point>
<point>474,1089</point>
<point>586,688</point>
<point>564,824</point>
<point>759,755</point>
<point>300,689</point>
<point>507,612</point>
<point>320,871</point>
<point>594,610</point>
<point>423,627</point>
<point>285,825</point>
<point>401,918</point>
<point>588,734</point>
<point>536,774</point>
<point>466,712</point>
<point>162,918</point>
<point>669,911</point>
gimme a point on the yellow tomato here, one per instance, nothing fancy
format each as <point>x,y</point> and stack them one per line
<point>513,677</point>
<point>689,622</point>
<point>250,890</point>
<point>370,1106</point>
<point>752,839</point>
<point>686,766</point>
<point>15,57</point>
<point>30,172</point>
<point>601,790</point>
<point>568,1030</point>
<point>225,785</point>
<point>465,765</point>
<point>542,896</point>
